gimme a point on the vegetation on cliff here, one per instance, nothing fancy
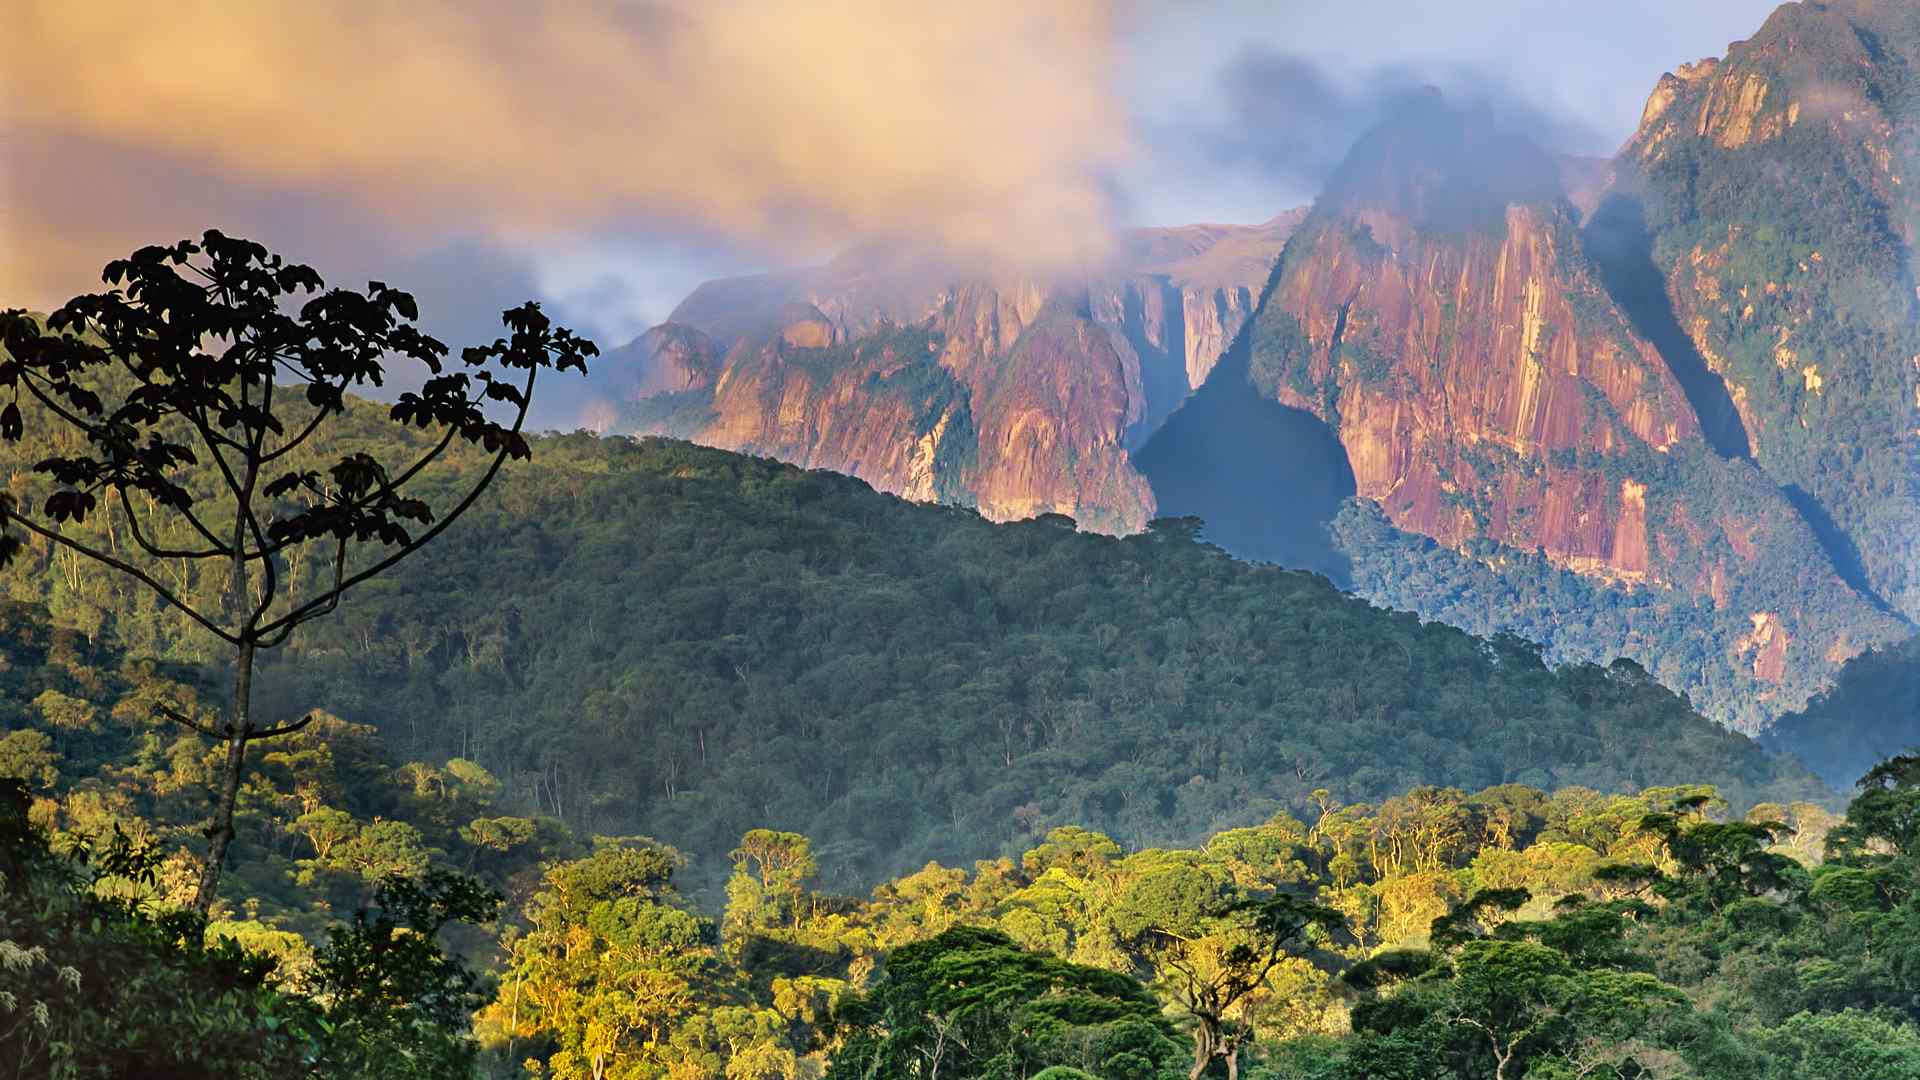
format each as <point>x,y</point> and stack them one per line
<point>1872,712</point>
<point>1528,463</point>
<point>1776,186</point>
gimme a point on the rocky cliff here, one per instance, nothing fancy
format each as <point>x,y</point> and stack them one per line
<point>1440,311</point>
<point>1016,395</point>
<point>1779,187</point>
<point>670,358</point>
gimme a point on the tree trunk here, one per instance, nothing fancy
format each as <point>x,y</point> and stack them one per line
<point>239,730</point>
<point>1203,1050</point>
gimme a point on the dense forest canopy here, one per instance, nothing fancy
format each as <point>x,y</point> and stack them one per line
<point>657,638</point>
<point>1502,933</point>
<point>682,709</point>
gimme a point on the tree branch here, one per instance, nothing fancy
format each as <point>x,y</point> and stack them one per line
<point>187,722</point>
<point>26,376</point>
<point>276,635</point>
<point>284,729</point>
<point>427,458</point>
<point>320,415</point>
<point>140,538</point>
<point>125,568</point>
<point>325,603</point>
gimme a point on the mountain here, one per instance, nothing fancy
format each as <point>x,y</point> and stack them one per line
<point>1012,394</point>
<point>1778,188</point>
<point>1660,406</point>
<point>1524,458</point>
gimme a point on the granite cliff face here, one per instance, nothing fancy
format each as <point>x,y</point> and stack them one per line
<point>1439,310</point>
<point>1465,385</point>
<point>1778,185</point>
<point>1017,396</point>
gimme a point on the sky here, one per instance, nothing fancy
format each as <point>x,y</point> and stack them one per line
<point>606,157</point>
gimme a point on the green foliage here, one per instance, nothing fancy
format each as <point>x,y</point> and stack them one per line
<point>158,395</point>
<point>718,643</point>
<point>396,1004</point>
<point>1693,644</point>
<point>97,982</point>
<point>610,968</point>
<point>1872,712</point>
<point>689,644</point>
<point>971,1003</point>
<point>322,819</point>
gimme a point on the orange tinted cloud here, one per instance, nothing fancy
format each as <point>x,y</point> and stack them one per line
<point>796,124</point>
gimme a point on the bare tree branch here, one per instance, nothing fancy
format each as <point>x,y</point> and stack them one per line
<point>320,414</point>
<point>125,568</point>
<point>152,549</point>
<point>327,602</point>
<point>284,729</point>
<point>188,722</point>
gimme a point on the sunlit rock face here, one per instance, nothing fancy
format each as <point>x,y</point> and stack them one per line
<point>1686,379</point>
<point>1016,394</point>
<point>1456,337</point>
<point>1441,312</point>
<point>1779,185</point>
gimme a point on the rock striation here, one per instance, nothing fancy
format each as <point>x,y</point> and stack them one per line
<point>1439,310</point>
<point>1016,395</point>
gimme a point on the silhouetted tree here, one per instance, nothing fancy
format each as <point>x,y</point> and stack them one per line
<point>211,364</point>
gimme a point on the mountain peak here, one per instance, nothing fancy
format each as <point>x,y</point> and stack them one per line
<point>1437,165</point>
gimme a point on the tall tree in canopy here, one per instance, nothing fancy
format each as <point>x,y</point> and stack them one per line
<point>970,1003</point>
<point>203,360</point>
<point>1211,947</point>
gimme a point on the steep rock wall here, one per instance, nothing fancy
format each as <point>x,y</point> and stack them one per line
<point>1440,312</point>
<point>1026,398</point>
<point>1780,184</point>
<point>1464,374</point>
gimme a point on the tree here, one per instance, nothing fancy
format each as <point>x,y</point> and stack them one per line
<point>94,982</point>
<point>209,368</point>
<point>1721,862</point>
<point>1212,949</point>
<point>972,1003</point>
<point>611,964</point>
<point>397,1004</point>
<point>771,870</point>
<point>1884,820</point>
<point>30,756</point>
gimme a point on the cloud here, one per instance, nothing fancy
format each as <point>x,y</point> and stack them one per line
<point>103,200</point>
<point>1282,121</point>
<point>1585,68</point>
<point>796,125</point>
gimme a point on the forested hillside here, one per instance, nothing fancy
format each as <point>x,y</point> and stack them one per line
<point>652,637</point>
<point>1872,712</point>
<point>1504,933</point>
